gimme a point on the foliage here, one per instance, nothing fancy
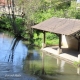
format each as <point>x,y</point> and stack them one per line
<point>52,42</point>
<point>36,11</point>
<point>8,25</point>
<point>62,4</point>
<point>51,36</point>
<point>6,22</point>
<point>51,39</point>
<point>77,15</point>
<point>56,8</point>
<point>77,64</point>
<point>20,25</point>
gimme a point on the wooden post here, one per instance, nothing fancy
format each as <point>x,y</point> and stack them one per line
<point>44,37</point>
<point>78,57</point>
<point>79,44</point>
<point>60,39</point>
<point>59,49</point>
<point>78,69</point>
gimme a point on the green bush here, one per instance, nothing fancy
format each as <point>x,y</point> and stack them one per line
<point>51,36</point>
<point>77,15</point>
<point>62,4</point>
<point>8,25</point>
<point>6,21</point>
<point>76,64</point>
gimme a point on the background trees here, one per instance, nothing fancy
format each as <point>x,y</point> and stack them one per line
<point>25,13</point>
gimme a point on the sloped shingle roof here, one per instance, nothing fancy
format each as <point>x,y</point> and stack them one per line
<point>59,25</point>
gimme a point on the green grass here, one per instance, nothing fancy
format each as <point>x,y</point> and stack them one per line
<point>52,42</point>
<point>76,64</point>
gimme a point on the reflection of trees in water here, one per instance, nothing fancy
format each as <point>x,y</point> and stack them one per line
<point>14,44</point>
<point>34,65</point>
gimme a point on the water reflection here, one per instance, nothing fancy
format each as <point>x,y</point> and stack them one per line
<point>43,71</point>
<point>33,55</point>
<point>36,62</point>
<point>20,51</point>
<point>62,66</point>
<point>38,66</point>
<point>56,68</point>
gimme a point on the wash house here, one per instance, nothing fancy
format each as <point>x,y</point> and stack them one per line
<point>68,31</point>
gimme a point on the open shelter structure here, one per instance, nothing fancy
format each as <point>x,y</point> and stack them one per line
<point>67,29</point>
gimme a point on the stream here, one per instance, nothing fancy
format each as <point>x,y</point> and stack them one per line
<point>32,64</point>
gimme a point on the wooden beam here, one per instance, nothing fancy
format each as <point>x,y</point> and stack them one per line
<point>60,39</point>
<point>75,37</point>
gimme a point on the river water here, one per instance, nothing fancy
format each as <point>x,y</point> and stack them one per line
<point>27,63</point>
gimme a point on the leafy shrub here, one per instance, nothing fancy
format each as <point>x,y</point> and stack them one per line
<point>77,15</point>
<point>8,23</point>
<point>62,4</point>
<point>51,36</point>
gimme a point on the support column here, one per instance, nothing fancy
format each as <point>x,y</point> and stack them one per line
<point>60,39</point>
<point>79,44</point>
<point>78,69</point>
<point>78,57</point>
<point>44,37</point>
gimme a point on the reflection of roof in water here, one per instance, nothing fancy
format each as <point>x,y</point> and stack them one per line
<point>33,55</point>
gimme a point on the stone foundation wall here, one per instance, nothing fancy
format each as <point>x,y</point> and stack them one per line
<point>69,42</point>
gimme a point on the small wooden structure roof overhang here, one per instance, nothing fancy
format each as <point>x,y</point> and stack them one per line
<point>64,26</point>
